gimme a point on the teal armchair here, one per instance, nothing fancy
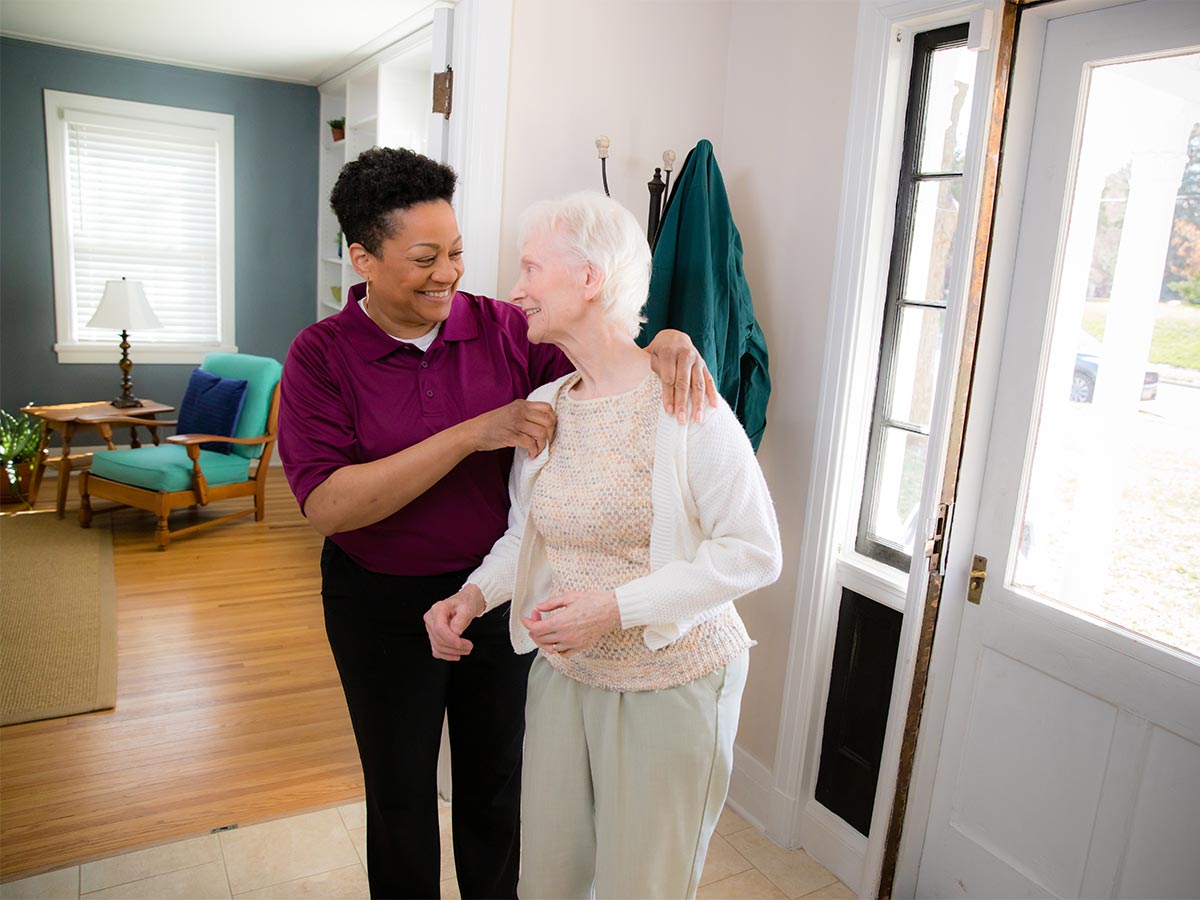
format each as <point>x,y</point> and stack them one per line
<point>181,472</point>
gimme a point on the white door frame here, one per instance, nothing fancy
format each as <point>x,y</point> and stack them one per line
<point>1017,141</point>
<point>482,43</point>
<point>481,35</point>
<point>867,213</point>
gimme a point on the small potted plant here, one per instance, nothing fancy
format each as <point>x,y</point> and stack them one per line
<point>20,443</point>
<point>338,128</point>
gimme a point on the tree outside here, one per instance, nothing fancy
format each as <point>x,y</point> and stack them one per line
<point>1181,280</point>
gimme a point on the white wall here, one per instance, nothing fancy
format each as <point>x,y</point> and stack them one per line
<point>650,75</point>
<point>769,84</point>
<point>787,108</point>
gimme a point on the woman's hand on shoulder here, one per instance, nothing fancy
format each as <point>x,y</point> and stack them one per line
<point>573,620</point>
<point>522,423</point>
<point>685,377</point>
<point>447,619</point>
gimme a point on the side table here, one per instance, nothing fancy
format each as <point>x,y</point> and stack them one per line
<point>67,419</point>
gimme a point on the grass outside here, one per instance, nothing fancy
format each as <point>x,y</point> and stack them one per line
<point>1176,340</point>
<point>1150,564</point>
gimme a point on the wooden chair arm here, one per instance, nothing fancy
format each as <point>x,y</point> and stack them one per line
<point>190,439</point>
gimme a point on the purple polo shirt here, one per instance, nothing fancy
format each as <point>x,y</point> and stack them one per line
<point>352,394</point>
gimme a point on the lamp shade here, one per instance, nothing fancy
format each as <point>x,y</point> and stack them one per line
<point>124,307</point>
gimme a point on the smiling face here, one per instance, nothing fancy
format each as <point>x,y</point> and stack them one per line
<point>413,277</point>
<point>554,289</point>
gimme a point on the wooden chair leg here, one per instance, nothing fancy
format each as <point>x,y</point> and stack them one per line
<point>64,482</point>
<point>260,502</point>
<point>39,468</point>
<point>162,536</point>
<point>85,501</point>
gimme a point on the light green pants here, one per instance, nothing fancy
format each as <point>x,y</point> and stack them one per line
<point>621,792</point>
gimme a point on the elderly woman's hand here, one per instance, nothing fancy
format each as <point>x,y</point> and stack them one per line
<point>573,621</point>
<point>675,359</point>
<point>447,619</point>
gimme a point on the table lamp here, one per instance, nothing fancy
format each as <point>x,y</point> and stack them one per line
<point>124,307</point>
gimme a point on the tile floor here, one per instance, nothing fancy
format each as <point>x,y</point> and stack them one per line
<point>322,855</point>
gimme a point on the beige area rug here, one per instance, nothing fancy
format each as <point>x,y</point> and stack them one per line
<point>58,617</point>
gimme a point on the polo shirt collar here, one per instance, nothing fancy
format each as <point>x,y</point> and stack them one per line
<point>372,343</point>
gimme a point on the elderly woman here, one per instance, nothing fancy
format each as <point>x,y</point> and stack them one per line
<point>629,538</point>
<point>396,425</point>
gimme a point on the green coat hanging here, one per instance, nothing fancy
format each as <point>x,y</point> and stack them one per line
<point>698,287</point>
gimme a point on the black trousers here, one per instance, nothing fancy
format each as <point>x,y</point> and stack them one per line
<point>398,695</point>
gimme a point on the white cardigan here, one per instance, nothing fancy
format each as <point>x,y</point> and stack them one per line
<point>714,536</point>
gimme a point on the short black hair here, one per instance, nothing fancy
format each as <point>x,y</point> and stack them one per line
<point>381,181</point>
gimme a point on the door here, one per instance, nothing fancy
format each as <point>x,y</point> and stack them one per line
<point>1069,763</point>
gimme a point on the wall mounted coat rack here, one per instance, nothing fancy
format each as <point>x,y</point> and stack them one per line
<point>657,185</point>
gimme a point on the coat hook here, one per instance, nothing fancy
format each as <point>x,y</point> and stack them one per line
<point>602,145</point>
<point>659,197</point>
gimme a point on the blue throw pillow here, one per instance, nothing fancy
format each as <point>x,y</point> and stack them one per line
<point>211,405</point>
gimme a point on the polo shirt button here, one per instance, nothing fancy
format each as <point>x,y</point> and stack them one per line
<point>424,365</point>
<point>429,393</point>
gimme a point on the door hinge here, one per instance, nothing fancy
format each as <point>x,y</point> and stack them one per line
<point>978,577</point>
<point>935,547</point>
<point>443,91</point>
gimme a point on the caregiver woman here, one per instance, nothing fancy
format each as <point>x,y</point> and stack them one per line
<point>396,427</point>
<point>629,537</point>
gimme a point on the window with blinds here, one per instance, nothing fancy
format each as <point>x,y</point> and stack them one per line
<point>141,192</point>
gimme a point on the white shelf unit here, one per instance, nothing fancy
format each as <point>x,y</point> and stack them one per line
<point>385,101</point>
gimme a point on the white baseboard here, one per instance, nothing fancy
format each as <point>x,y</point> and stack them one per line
<point>822,835</point>
<point>750,789</point>
<point>834,844</point>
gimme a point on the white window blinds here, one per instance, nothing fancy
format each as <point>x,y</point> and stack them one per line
<point>142,198</point>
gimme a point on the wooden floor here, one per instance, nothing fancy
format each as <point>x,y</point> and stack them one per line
<point>228,708</point>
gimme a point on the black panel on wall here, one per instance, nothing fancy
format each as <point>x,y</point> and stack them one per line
<point>860,689</point>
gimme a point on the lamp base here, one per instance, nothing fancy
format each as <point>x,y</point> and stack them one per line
<point>126,400</point>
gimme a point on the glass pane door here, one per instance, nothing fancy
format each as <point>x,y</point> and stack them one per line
<point>1112,505</point>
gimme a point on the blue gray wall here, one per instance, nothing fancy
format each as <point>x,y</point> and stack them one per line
<point>276,127</point>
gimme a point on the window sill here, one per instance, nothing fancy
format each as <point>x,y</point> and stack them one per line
<point>139,354</point>
<point>873,579</point>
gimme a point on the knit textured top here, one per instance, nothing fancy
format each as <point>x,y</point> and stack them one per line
<point>592,504</point>
<point>713,539</point>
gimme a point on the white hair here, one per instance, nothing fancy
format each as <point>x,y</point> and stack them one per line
<point>598,230</point>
